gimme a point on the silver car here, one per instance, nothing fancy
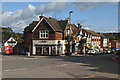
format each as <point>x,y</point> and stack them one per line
<point>93,51</point>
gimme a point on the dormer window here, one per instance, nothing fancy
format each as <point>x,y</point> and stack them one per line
<point>44,34</point>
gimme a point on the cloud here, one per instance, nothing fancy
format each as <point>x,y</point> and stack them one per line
<point>28,12</point>
<point>10,17</point>
<point>87,26</point>
<point>85,5</point>
<point>83,21</point>
<point>106,30</point>
<point>52,6</point>
<point>21,18</point>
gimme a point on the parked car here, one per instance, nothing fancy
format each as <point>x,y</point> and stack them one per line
<point>93,51</point>
<point>108,51</point>
<point>99,51</point>
<point>117,52</point>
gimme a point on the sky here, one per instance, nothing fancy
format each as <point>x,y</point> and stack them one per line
<point>97,16</point>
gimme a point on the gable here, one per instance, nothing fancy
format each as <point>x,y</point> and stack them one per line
<point>56,25</point>
<point>44,25</point>
<point>11,39</point>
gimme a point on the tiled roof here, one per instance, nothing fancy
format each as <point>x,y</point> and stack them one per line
<point>74,29</point>
<point>31,26</point>
<point>101,35</point>
<point>91,32</point>
<point>57,25</point>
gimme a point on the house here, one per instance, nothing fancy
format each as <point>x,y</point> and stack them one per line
<point>92,38</point>
<point>115,44</point>
<point>104,41</point>
<point>9,41</point>
<point>46,36</point>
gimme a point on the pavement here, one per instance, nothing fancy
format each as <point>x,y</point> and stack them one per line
<point>95,66</point>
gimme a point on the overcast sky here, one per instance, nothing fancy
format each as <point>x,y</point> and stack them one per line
<point>97,16</point>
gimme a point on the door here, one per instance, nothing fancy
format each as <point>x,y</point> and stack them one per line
<point>46,50</point>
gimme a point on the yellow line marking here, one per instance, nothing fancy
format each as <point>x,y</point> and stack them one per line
<point>88,77</point>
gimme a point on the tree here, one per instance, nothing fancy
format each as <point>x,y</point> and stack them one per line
<point>6,32</point>
<point>69,39</point>
<point>18,36</point>
<point>81,45</point>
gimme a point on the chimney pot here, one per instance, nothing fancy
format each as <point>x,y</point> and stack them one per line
<point>41,16</point>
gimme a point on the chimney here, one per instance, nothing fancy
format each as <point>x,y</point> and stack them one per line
<point>41,16</point>
<point>79,26</point>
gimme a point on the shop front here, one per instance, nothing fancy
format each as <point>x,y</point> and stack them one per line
<point>46,50</point>
<point>47,47</point>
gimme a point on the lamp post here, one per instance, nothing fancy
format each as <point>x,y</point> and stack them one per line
<point>70,16</point>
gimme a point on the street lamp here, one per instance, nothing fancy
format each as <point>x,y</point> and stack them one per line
<point>70,16</point>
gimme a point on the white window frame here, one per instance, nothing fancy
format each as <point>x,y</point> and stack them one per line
<point>80,32</point>
<point>44,32</point>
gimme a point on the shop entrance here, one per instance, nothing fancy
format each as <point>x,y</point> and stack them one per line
<point>46,50</point>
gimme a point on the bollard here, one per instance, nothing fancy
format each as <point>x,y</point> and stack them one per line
<point>28,53</point>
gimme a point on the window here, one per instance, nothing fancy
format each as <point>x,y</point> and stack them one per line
<point>78,39</point>
<point>68,32</point>
<point>80,32</point>
<point>44,34</point>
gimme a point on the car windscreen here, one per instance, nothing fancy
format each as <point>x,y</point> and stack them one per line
<point>90,49</point>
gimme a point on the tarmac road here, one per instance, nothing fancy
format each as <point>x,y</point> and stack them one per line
<point>95,66</point>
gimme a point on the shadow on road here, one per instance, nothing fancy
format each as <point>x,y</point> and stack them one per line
<point>104,63</point>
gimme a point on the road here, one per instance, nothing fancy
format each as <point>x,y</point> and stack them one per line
<point>95,66</point>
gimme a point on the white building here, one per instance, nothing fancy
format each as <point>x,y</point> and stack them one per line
<point>10,42</point>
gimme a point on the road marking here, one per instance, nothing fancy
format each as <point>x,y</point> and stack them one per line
<point>88,77</point>
<point>7,70</point>
<point>62,65</point>
<point>115,59</point>
<point>14,70</point>
<point>39,56</point>
<point>29,58</point>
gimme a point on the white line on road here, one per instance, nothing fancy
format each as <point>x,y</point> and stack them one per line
<point>89,77</point>
<point>27,58</point>
<point>62,65</point>
<point>7,70</point>
<point>14,70</point>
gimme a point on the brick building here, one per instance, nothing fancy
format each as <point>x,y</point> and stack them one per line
<point>47,36</point>
<point>115,44</point>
